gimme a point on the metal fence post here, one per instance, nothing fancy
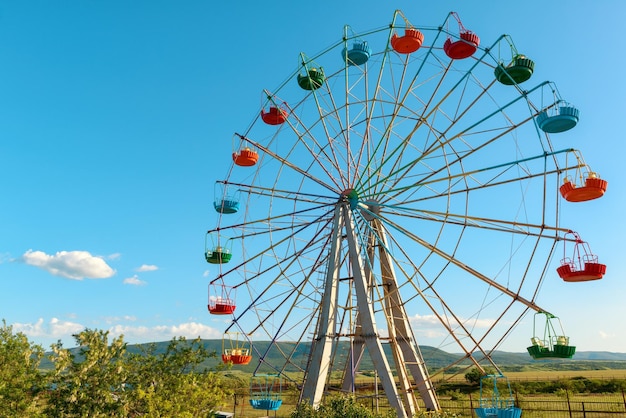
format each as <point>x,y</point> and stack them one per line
<point>569,406</point>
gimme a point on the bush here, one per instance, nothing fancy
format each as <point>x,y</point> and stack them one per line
<point>337,407</point>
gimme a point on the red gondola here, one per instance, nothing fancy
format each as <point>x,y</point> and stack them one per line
<point>275,115</point>
<point>583,266</point>
<point>221,300</point>
<point>465,46</point>
<point>273,112</point>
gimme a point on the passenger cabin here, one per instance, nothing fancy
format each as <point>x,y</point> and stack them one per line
<point>466,44</point>
<point>552,343</point>
<point>583,265</point>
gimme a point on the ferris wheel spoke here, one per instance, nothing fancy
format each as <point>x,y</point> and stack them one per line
<point>277,193</point>
<point>262,225</point>
<point>287,163</point>
<point>446,316</point>
<point>426,114</point>
<point>442,141</point>
<point>318,239</point>
<point>453,323</point>
<point>394,178</point>
<point>318,151</point>
<point>499,225</point>
<point>453,260</point>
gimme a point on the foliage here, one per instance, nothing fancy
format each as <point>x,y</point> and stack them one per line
<point>103,380</point>
<point>93,386</point>
<point>473,376</point>
<point>337,407</point>
<point>20,380</point>
<point>573,385</point>
<point>172,383</point>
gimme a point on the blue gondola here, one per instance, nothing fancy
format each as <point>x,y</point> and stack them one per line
<point>561,118</point>
<point>496,398</point>
<point>225,200</point>
<point>358,54</point>
<point>266,392</point>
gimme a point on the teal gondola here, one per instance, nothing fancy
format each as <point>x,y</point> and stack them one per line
<point>496,398</point>
<point>560,119</point>
<point>225,201</point>
<point>266,392</point>
<point>357,54</point>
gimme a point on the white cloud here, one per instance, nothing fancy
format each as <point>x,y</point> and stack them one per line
<point>135,281</point>
<point>424,320</point>
<point>55,329</point>
<point>76,265</point>
<point>431,321</point>
<point>147,267</point>
<point>605,335</point>
<point>165,332</point>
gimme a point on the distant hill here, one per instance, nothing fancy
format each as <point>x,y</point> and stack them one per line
<point>434,357</point>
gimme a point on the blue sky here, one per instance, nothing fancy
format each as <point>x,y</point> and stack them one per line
<point>117,117</point>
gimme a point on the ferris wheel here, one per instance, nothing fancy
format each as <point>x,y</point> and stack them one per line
<point>398,190</point>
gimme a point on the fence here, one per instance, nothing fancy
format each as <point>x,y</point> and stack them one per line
<point>588,406</point>
<point>567,406</point>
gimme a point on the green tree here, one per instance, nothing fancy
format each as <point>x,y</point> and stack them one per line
<point>21,382</point>
<point>102,380</point>
<point>91,383</point>
<point>473,376</point>
<point>173,383</point>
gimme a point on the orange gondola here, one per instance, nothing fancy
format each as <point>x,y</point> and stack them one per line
<point>593,187</point>
<point>583,266</point>
<point>583,184</point>
<point>408,43</point>
<point>234,350</point>
<point>243,153</point>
